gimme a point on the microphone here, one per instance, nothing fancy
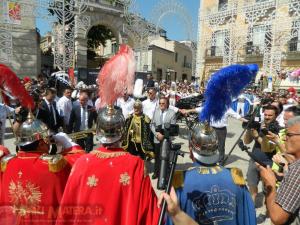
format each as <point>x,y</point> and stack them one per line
<point>164,156</point>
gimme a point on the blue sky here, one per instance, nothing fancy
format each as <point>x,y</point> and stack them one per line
<point>172,23</point>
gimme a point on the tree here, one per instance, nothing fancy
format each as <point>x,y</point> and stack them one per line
<point>98,35</point>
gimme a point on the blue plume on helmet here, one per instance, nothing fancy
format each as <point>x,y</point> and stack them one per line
<point>224,85</point>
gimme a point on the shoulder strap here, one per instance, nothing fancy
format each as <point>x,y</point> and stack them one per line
<point>237,176</point>
<point>5,160</point>
<point>178,179</point>
<point>55,162</point>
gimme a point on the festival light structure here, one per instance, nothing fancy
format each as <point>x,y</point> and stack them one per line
<point>235,30</point>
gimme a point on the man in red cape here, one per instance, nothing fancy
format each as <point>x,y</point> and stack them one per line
<point>32,181</point>
<point>108,185</point>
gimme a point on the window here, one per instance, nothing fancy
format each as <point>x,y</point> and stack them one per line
<point>259,35</point>
<point>176,56</point>
<point>222,5</point>
<point>184,60</point>
<point>218,42</point>
<point>159,74</point>
<point>294,44</point>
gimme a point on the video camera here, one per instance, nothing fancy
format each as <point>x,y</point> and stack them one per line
<point>168,130</point>
<point>167,152</point>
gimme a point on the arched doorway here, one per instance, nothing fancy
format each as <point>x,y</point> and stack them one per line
<point>102,44</point>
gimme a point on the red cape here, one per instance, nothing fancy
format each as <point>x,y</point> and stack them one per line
<point>73,153</point>
<point>30,192</point>
<point>3,152</point>
<point>108,187</point>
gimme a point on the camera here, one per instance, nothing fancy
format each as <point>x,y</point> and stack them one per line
<point>169,130</point>
<point>253,122</point>
<point>272,127</point>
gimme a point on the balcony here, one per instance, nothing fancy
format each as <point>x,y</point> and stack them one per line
<point>293,52</point>
<point>214,52</point>
<point>187,65</point>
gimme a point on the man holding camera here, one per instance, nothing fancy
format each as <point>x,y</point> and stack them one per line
<point>263,148</point>
<point>162,116</point>
<point>283,206</point>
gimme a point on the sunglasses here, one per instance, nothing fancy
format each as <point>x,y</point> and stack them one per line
<point>292,134</point>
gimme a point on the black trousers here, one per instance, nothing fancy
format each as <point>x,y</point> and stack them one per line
<point>87,143</point>
<point>136,149</point>
<point>157,158</point>
<point>221,134</point>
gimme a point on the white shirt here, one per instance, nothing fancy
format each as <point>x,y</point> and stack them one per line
<point>150,106</point>
<point>64,107</point>
<point>84,118</point>
<point>126,106</point>
<point>164,113</point>
<point>223,122</point>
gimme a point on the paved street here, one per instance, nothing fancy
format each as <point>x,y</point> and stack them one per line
<point>237,159</point>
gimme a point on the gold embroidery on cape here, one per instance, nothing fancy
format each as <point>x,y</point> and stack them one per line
<point>25,199</point>
<point>210,170</point>
<point>107,155</point>
<point>92,181</point>
<point>124,179</point>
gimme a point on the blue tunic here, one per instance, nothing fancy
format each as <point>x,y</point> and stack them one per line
<point>210,196</point>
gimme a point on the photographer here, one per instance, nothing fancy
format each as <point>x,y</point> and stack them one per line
<point>263,148</point>
<point>162,115</point>
<point>283,204</point>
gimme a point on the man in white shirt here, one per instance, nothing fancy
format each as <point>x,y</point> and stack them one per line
<point>126,104</point>
<point>64,106</point>
<point>150,104</point>
<point>221,127</point>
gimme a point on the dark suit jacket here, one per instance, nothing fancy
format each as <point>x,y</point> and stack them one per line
<point>75,118</point>
<point>150,83</point>
<point>44,114</point>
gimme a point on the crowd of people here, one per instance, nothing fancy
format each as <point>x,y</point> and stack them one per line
<point>58,176</point>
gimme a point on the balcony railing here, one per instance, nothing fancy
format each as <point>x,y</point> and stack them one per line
<point>214,51</point>
<point>294,46</point>
<point>253,50</point>
<point>187,65</point>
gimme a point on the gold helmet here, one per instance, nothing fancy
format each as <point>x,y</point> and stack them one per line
<point>31,130</point>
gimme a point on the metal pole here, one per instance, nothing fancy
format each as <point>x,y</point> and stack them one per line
<point>169,185</point>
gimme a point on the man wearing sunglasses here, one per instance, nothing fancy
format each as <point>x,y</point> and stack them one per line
<point>283,205</point>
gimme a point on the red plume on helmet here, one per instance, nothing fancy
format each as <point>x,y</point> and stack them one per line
<point>117,76</point>
<point>11,83</point>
